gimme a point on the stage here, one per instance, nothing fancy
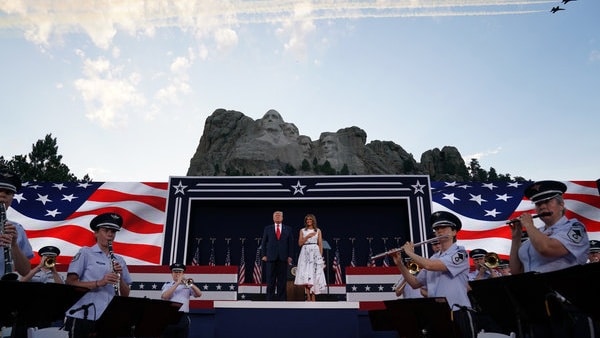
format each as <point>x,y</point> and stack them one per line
<point>283,319</point>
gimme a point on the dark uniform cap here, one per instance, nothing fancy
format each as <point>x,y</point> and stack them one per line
<point>444,218</point>
<point>109,220</point>
<point>544,190</point>
<point>477,253</point>
<point>9,181</point>
<point>594,246</point>
<point>177,267</point>
<point>49,251</point>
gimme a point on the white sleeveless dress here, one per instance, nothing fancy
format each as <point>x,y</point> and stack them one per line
<point>309,270</point>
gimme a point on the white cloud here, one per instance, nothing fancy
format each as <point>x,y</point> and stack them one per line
<point>108,94</point>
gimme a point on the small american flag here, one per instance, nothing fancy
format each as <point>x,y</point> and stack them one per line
<point>353,258</point>
<point>196,258</point>
<point>257,273</point>
<point>242,270</point>
<point>228,255</point>
<point>211,259</point>
<point>337,267</point>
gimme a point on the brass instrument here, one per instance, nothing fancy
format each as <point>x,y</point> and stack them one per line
<point>189,282</point>
<point>389,252</point>
<point>413,268</point>
<point>9,264</point>
<point>491,260</point>
<point>113,261</point>
<point>50,262</point>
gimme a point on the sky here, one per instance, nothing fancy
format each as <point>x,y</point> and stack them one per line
<point>125,86</point>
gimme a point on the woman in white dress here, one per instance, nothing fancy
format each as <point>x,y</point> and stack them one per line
<point>309,271</point>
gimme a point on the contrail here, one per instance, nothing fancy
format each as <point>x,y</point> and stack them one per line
<point>44,18</point>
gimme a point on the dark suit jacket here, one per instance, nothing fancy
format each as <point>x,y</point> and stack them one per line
<point>277,249</point>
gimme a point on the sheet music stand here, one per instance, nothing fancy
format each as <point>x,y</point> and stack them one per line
<point>137,317</point>
<point>415,317</point>
<point>31,304</point>
<point>528,295</point>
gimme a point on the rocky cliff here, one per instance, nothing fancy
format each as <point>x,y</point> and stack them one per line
<point>234,144</point>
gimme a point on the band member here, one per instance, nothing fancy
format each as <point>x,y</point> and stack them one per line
<point>400,288</point>
<point>559,244</point>
<point>482,270</point>
<point>446,273</point>
<point>98,269</point>
<point>45,272</point>
<point>15,249</point>
<point>594,253</point>
<point>179,290</point>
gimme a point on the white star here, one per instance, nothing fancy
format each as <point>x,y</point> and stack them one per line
<point>243,296</point>
<point>59,186</point>
<point>52,213</point>
<point>179,188</point>
<point>380,287</point>
<point>464,186</point>
<point>19,197</point>
<point>513,184</point>
<point>141,286</point>
<point>451,184</point>
<point>154,286</point>
<point>367,288</point>
<point>218,287</point>
<point>69,198</point>
<point>231,287</point>
<point>83,185</point>
<point>504,197</point>
<point>298,188</point>
<point>354,288</point>
<point>492,213</point>
<point>477,199</point>
<point>451,198</point>
<point>205,287</point>
<point>37,186</point>
<point>418,187</point>
<point>43,199</point>
<point>490,186</point>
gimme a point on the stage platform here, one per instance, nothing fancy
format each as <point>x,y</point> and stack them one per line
<point>283,319</point>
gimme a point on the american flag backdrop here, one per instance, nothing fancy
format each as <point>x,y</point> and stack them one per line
<point>484,209</point>
<point>59,214</point>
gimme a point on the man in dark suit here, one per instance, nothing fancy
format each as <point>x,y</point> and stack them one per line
<point>277,251</point>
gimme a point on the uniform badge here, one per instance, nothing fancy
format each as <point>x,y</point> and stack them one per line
<point>76,257</point>
<point>459,257</point>
<point>575,234</point>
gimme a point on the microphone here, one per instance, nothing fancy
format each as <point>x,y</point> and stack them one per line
<point>84,307</point>
<point>545,213</point>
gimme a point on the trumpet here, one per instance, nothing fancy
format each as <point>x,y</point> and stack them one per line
<point>189,282</point>
<point>413,268</point>
<point>543,214</point>
<point>491,260</point>
<point>50,262</point>
<point>389,252</point>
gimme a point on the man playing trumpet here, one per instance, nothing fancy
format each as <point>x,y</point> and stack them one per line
<point>483,270</point>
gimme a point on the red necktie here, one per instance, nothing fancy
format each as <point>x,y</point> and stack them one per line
<point>277,231</point>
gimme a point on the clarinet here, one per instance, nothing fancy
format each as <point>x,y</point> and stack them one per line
<point>9,264</point>
<point>113,261</point>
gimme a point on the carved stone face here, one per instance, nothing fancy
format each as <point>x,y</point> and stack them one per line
<point>290,131</point>
<point>305,144</point>
<point>272,121</point>
<point>329,145</point>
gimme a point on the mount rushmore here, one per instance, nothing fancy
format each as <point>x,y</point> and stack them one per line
<point>234,144</point>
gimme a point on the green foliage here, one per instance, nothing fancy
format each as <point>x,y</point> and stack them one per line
<point>42,164</point>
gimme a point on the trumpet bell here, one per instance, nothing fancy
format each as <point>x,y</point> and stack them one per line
<point>189,282</point>
<point>413,268</point>
<point>491,260</point>
<point>50,262</point>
